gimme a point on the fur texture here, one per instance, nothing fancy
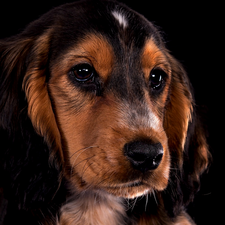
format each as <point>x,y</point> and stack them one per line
<point>78,86</point>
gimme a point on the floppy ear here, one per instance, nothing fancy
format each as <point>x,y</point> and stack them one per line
<point>186,140</point>
<point>39,104</point>
<point>23,71</point>
<point>31,151</point>
<point>13,54</point>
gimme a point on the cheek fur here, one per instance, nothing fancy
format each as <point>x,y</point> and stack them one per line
<point>95,134</point>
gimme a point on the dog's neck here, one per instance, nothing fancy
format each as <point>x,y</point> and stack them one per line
<point>101,208</point>
<point>95,208</point>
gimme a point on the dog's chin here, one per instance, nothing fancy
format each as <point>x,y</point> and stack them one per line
<point>129,190</point>
<point>132,190</point>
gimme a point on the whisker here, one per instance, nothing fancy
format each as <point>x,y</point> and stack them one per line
<point>83,149</point>
<point>85,170</point>
<point>134,203</point>
<point>87,159</point>
<point>73,166</point>
<point>153,193</point>
<point>127,203</point>
<point>110,175</point>
<point>146,203</point>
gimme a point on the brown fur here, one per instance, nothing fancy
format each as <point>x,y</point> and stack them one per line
<point>86,132</point>
<point>35,87</point>
<point>87,156</point>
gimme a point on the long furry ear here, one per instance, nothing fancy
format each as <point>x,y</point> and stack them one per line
<point>13,53</point>
<point>23,65</point>
<point>186,140</point>
<point>39,104</point>
<point>31,152</point>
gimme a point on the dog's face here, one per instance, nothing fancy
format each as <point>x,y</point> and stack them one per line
<point>110,86</point>
<point>103,90</point>
<point>106,97</point>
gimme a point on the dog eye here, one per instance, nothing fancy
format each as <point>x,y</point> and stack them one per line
<point>157,79</point>
<point>83,72</point>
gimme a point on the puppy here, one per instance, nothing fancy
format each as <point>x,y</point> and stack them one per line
<point>97,122</point>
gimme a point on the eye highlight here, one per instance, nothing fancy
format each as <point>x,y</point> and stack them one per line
<point>83,72</point>
<point>83,75</point>
<point>157,79</point>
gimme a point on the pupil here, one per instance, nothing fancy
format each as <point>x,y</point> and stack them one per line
<point>157,78</point>
<point>83,72</point>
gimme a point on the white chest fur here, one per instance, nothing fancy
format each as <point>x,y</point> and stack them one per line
<point>93,208</point>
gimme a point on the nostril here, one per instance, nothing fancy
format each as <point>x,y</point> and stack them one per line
<point>156,161</point>
<point>144,155</point>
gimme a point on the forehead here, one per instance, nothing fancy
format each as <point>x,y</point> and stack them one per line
<point>121,45</point>
<point>106,34</point>
<point>117,23</point>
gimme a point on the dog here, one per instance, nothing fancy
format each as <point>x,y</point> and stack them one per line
<point>98,122</point>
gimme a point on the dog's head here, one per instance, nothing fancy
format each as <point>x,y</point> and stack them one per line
<point>114,107</point>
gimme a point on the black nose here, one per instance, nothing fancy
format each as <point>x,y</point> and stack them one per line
<point>144,155</point>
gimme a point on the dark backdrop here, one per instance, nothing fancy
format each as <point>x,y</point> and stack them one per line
<point>193,32</point>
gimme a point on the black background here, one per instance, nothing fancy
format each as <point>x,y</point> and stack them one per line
<point>194,34</point>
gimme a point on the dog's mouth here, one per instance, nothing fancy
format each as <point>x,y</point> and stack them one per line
<point>129,190</point>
